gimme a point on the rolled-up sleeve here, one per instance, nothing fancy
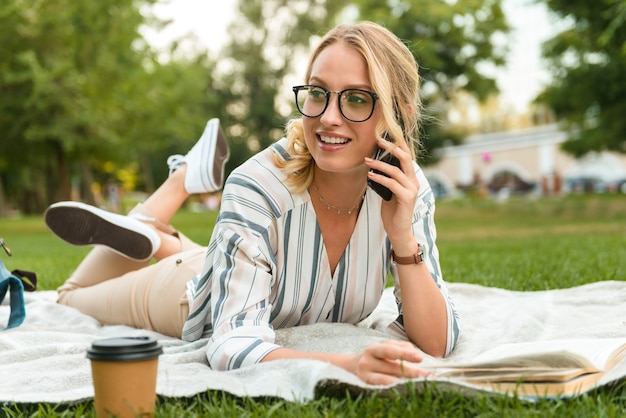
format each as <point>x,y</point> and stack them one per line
<point>242,266</point>
<point>242,333</point>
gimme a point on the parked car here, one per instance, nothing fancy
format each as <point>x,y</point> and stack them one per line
<point>440,189</point>
<point>594,185</point>
<point>585,185</point>
<point>509,183</point>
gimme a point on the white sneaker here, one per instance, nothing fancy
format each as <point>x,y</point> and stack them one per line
<point>205,161</point>
<point>81,224</point>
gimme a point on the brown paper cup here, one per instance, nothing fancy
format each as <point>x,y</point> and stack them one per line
<point>124,372</point>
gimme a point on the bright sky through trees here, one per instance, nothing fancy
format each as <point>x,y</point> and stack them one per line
<point>522,79</point>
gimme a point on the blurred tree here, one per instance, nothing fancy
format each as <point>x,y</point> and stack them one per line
<point>452,40</point>
<point>455,43</point>
<point>171,104</point>
<point>84,98</point>
<point>267,40</point>
<point>588,64</point>
<point>62,66</point>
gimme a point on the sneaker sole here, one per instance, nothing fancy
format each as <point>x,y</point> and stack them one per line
<point>81,226</point>
<point>214,145</point>
<point>221,156</point>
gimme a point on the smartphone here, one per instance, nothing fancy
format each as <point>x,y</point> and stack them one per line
<point>389,158</point>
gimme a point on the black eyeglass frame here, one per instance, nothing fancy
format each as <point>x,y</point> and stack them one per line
<point>373,95</point>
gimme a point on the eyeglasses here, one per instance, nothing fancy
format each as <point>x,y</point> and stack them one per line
<point>356,105</point>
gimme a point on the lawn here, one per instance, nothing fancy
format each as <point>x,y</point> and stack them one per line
<point>519,244</point>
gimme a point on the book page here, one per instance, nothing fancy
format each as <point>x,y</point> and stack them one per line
<point>525,375</point>
<point>570,387</point>
<point>590,354</point>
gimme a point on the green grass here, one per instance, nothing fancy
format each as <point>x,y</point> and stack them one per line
<point>520,245</point>
<point>533,245</point>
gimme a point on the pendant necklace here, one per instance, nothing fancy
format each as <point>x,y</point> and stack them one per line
<point>339,210</point>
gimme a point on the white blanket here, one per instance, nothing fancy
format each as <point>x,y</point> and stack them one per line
<point>44,360</point>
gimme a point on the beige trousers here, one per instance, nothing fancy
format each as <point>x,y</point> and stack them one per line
<point>118,291</point>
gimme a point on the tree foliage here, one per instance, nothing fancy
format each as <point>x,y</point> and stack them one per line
<point>588,62</point>
<point>269,40</point>
<point>86,99</point>
<point>455,43</point>
<point>61,62</point>
<point>83,96</point>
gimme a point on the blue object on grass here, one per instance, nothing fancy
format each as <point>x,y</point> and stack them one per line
<point>15,287</point>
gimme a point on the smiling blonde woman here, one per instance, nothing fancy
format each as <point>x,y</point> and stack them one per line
<point>302,236</point>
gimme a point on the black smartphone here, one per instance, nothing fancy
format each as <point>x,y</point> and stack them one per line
<point>389,158</point>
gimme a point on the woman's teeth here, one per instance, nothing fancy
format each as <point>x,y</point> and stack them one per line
<point>333,140</point>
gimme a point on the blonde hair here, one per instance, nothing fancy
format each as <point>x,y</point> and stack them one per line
<point>394,76</point>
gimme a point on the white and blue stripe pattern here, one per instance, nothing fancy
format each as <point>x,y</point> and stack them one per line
<point>266,266</point>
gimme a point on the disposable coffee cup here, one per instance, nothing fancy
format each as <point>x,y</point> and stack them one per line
<point>124,372</point>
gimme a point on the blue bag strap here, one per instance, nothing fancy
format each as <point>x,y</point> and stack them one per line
<point>16,294</point>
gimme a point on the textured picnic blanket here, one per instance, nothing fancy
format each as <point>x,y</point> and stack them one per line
<point>44,360</point>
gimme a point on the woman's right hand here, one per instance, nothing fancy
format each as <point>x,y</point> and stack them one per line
<point>383,363</point>
<point>386,363</point>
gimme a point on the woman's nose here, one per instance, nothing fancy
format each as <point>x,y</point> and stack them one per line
<point>332,115</point>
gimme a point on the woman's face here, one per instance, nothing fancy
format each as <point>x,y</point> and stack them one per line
<point>337,144</point>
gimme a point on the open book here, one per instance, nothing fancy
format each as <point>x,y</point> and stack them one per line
<point>541,368</point>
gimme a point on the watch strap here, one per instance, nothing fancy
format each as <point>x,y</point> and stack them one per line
<point>416,258</point>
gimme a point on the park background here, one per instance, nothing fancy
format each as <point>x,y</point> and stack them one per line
<point>96,96</point>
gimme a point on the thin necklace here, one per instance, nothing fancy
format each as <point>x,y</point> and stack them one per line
<point>339,210</point>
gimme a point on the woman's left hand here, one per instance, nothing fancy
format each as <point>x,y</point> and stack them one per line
<point>397,213</point>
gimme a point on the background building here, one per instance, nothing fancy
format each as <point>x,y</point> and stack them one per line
<point>525,161</point>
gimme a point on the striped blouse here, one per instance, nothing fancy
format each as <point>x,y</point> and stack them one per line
<point>266,266</point>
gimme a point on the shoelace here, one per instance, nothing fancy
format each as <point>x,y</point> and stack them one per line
<point>174,162</point>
